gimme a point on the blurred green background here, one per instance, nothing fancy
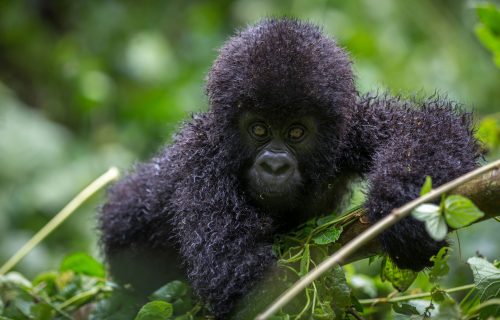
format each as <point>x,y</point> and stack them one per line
<point>89,84</point>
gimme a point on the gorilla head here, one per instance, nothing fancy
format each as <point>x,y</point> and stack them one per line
<point>286,87</point>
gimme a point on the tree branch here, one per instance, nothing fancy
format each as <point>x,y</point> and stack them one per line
<point>366,237</point>
<point>484,191</point>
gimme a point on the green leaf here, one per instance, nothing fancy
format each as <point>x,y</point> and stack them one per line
<point>448,310</point>
<point>460,211</point>
<point>356,304</point>
<point>155,310</point>
<point>427,187</point>
<point>82,263</point>
<point>489,15</point>
<point>330,235</point>
<point>42,311</point>
<point>170,292</point>
<point>337,286</point>
<point>404,308</point>
<point>487,280</point>
<point>326,219</point>
<point>177,293</point>
<point>489,131</point>
<point>435,223</point>
<point>15,279</point>
<point>401,279</point>
<point>440,267</point>
<point>426,211</point>
<point>304,261</point>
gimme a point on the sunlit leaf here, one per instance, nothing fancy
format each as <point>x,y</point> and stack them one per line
<point>425,211</point>
<point>489,132</point>
<point>304,262</point>
<point>489,15</point>
<point>460,211</point>
<point>435,223</point>
<point>83,263</point>
<point>155,310</point>
<point>330,235</point>
<point>427,187</point>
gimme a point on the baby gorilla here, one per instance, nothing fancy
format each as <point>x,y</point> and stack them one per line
<point>285,132</point>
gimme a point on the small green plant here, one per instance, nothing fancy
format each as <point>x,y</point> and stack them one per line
<point>455,211</point>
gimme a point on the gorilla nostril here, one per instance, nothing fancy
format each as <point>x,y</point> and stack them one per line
<point>267,168</point>
<point>275,165</point>
<point>275,168</point>
<point>282,169</point>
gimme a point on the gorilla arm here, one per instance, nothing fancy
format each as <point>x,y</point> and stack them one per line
<point>134,231</point>
<point>397,143</point>
<point>224,242</point>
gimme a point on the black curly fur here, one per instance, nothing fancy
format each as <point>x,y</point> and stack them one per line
<point>187,213</point>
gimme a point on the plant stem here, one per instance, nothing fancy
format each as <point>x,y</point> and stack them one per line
<point>366,236</point>
<point>60,217</point>
<point>413,296</point>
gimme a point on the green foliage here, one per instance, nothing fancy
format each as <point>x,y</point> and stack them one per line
<point>178,294</point>
<point>487,280</point>
<point>488,30</point>
<point>440,266</point>
<point>329,296</point>
<point>455,211</point>
<point>401,279</point>
<point>435,223</point>
<point>460,211</point>
<point>331,235</point>
<point>405,308</point>
<point>427,186</point>
<point>155,310</point>
<point>488,133</point>
<point>51,295</point>
<point>82,263</point>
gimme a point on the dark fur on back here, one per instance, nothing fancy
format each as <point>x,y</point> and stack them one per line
<point>186,212</point>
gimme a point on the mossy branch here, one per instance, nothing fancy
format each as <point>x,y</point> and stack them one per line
<point>482,186</point>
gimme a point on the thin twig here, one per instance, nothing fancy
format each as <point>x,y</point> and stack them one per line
<point>413,296</point>
<point>366,236</point>
<point>355,314</point>
<point>59,218</point>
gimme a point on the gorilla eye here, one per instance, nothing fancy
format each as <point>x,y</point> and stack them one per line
<point>259,131</point>
<point>296,133</point>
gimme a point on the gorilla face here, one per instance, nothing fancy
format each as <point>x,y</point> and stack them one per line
<point>273,173</point>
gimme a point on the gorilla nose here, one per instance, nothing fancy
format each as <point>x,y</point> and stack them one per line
<point>275,166</point>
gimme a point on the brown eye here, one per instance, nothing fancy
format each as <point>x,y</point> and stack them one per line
<point>259,130</point>
<point>296,133</point>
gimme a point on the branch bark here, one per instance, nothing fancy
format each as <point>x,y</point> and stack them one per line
<point>484,191</point>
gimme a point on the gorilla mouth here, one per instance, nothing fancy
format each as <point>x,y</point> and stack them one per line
<point>276,192</point>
